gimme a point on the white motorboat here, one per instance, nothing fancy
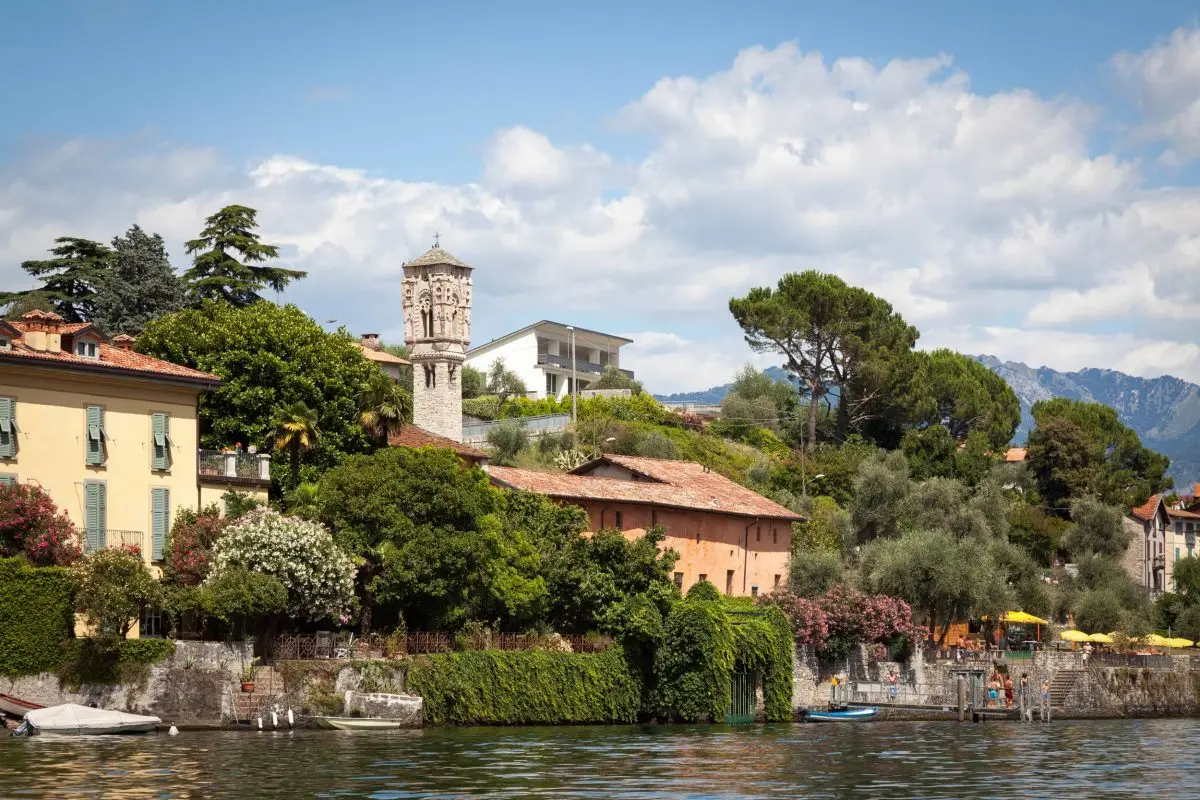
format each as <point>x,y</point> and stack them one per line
<point>72,719</point>
<point>357,723</point>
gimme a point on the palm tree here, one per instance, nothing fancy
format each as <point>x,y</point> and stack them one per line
<point>384,407</point>
<point>296,431</point>
<point>302,501</point>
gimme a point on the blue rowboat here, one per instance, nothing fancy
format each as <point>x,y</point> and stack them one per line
<point>845,715</point>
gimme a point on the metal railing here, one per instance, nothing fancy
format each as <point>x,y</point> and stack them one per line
<point>254,466</point>
<point>879,692</point>
<point>117,538</point>
<point>564,362</point>
<point>476,432</point>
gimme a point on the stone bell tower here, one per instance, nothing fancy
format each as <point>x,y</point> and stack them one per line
<point>437,330</point>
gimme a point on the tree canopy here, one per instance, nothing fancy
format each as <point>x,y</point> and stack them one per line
<point>139,285</point>
<point>268,357</point>
<point>1079,449</point>
<point>956,392</point>
<point>216,272</point>
<point>68,281</point>
<point>830,335</point>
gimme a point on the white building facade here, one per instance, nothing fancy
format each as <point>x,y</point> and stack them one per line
<point>541,355</point>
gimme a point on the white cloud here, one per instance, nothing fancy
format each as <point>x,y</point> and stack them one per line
<point>1165,82</point>
<point>967,211</point>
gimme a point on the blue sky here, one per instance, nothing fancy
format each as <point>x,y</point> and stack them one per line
<point>163,108</point>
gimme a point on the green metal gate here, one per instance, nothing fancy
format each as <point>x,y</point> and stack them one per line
<point>742,698</point>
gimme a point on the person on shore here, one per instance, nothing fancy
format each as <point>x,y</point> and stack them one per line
<point>1008,692</point>
<point>993,692</point>
<point>833,686</point>
<point>891,682</point>
<point>1023,700</point>
<point>1045,701</point>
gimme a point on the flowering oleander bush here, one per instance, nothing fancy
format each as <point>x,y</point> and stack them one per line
<point>31,525</point>
<point>844,616</point>
<point>189,547</point>
<point>301,554</point>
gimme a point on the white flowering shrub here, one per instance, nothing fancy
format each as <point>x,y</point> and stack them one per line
<point>301,554</point>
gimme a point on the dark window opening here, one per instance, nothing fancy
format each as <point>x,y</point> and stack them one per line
<point>620,521</point>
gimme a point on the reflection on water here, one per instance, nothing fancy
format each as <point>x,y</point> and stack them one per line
<point>887,759</point>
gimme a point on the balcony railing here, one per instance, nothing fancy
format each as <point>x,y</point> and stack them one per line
<point>249,466</point>
<point>564,362</point>
<point>115,538</point>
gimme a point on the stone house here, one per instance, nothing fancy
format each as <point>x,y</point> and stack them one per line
<point>1145,558</point>
<point>724,533</point>
<point>373,351</point>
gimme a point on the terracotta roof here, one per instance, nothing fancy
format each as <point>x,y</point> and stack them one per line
<point>381,356</point>
<point>673,484</point>
<point>412,436</point>
<point>436,255</point>
<point>1014,454</point>
<point>1147,510</point>
<point>1178,512</point>
<point>111,358</point>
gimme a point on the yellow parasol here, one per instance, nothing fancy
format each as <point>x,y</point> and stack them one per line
<point>1100,638</point>
<point>1074,636</point>
<point>1179,642</point>
<point>1022,617</point>
<point>1154,640</point>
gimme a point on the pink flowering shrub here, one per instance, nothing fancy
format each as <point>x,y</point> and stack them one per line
<point>843,617</point>
<point>31,525</point>
<point>190,545</point>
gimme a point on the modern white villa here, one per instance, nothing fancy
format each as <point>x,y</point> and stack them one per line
<point>541,355</point>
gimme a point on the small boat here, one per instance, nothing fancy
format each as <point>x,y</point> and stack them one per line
<point>16,707</point>
<point>842,715</point>
<point>357,723</point>
<point>71,719</point>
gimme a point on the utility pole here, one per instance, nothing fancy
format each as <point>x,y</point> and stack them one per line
<point>574,378</point>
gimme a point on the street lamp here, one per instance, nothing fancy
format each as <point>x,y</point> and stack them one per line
<point>804,481</point>
<point>574,377</point>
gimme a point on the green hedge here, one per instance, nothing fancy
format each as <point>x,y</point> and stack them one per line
<point>110,661</point>
<point>36,616</point>
<point>493,687</point>
<point>694,664</point>
<point>763,643</point>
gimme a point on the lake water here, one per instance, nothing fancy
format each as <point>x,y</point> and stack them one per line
<point>882,759</point>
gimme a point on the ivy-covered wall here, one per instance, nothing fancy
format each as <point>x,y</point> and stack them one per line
<point>493,687</point>
<point>36,616</point>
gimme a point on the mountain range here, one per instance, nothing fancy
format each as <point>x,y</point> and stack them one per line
<point>1164,411</point>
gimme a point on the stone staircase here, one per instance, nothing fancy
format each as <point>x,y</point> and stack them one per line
<point>268,687</point>
<point>1061,685</point>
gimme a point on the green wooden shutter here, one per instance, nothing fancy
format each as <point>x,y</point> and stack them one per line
<point>160,513</point>
<point>160,455</point>
<point>8,428</point>
<point>11,480</point>
<point>95,514</point>
<point>95,435</point>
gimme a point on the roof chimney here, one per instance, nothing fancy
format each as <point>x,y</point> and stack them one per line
<point>123,341</point>
<point>370,341</point>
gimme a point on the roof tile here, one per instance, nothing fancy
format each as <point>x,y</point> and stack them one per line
<point>1147,510</point>
<point>412,436</point>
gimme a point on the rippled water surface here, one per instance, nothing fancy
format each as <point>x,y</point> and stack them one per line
<point>883,759</point>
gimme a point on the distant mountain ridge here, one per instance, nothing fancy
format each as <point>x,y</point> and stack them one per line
<point>1164,411</point>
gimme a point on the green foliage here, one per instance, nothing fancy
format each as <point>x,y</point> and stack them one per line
<point>813,573</point>
<point>694,664</point>
<point>829,333</point>
<point>36,616</point>
<point>473,382</point>
<point>1096,529</point>
<point>109,661</point>
<point>239,597</point>
<point>1098,610</point>
<point>430,540</point>
<point>827,528</point>
<point>486,407</point>
<point>1188,623</point>
<point>504,383</point>
<point>509,438</point>
<point>216,273</point>
<point>975,460</point>
<point>1079,449</point>
<point>112,587</point>
<point>614,378</point>
<point>955,392</point>
<point>529,687</point>
<point>1187,578</point>
<point>1038,532</point>
<point>297,431</point>
<point>762,643</point>
<point>268,357</point>
<point>704,590</point>
<point>930,452</point>
<point>880,487</point>
<point>635,408</point>
<point>239,504</point>
<point>139,285</point>
<point>384,406</point>
<point>68,281</point>
<point>188,551</point>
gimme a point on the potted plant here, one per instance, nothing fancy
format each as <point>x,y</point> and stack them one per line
<point>248,673</point>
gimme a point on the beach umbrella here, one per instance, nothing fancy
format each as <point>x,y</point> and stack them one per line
<point>1180,642</point>
<point>1100,638</point>
<point>1154,640</point>
<point>1023,617</point>
<point>1074,636</point>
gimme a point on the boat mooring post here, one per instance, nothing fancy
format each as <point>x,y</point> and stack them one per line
<point>962,699</point>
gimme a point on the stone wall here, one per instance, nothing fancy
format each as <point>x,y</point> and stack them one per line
<point>192,686</point>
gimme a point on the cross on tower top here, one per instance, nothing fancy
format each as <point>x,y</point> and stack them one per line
<point>437,238</point>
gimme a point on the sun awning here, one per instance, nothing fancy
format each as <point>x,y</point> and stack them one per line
<point>1100,638</point>
<point>1074,636</point>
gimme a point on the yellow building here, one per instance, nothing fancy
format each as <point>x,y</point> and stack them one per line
<point>111,434</point>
